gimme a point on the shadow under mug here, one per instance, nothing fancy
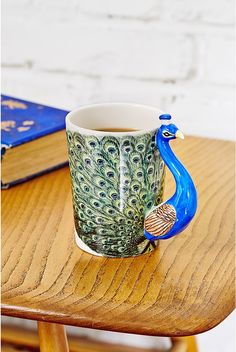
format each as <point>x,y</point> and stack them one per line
<point>117,177</point>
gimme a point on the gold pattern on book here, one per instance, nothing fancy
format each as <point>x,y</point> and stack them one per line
<point>13,104</point>
<point>22,129</point>
<point>8,125</point>
<point>28,123</point>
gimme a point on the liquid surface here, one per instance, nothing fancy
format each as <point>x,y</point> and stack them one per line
<point>115,129</point>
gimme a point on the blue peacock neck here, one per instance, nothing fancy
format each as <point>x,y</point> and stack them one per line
<point>185,193</point>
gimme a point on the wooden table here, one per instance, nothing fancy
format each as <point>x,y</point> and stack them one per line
<point>184,287</point>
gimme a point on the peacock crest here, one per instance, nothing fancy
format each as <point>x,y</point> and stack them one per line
<point>115,182</point>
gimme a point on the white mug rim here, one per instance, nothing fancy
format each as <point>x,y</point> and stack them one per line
<point>71,126</point>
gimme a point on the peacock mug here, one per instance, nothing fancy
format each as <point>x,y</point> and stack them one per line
<point>116,157</point>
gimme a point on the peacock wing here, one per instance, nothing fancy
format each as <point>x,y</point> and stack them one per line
<point>160,220</point>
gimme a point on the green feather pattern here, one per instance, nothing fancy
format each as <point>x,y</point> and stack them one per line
<point>115,181</point>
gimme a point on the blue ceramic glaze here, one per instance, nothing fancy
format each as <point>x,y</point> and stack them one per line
<point>176,213</point>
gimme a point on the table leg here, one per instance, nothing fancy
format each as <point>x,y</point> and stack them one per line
<point>184,344</point>
<point>52,337</point>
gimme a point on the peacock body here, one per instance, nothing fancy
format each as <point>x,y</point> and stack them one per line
<point>174,215</point>
<point>115,182</point>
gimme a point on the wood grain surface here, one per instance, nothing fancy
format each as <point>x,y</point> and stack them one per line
<point>184,287</point>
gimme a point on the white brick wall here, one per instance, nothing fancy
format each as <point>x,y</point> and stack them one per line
<point>148,9</point>
<point>217,12</point>
<point>176,55</point>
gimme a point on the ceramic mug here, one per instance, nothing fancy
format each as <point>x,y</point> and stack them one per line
<point>116,176</point>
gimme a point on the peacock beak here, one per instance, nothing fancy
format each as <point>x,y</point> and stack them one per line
<point>179,134</point>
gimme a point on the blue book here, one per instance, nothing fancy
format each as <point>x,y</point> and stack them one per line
<point>33,140</point>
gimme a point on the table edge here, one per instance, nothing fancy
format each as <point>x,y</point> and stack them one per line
<point>84,322</point>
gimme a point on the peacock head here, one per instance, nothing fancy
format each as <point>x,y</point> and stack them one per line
<point>168,132</point>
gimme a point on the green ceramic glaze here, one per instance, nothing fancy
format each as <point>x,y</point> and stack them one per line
<point>115,182</point>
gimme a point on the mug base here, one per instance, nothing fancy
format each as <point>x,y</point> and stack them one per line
<point>86,248</point>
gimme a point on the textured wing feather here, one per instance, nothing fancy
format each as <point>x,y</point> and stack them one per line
<point>161,220</point>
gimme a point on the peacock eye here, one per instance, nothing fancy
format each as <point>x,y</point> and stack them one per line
<point>166,134</point>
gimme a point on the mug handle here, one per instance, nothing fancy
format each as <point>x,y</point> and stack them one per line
<point>174,215</point>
